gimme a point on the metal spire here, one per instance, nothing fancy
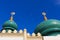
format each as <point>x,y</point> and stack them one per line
<point>12,14</point>
<point>44,14</point>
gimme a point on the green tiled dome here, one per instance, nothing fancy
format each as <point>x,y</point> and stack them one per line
<point>49,27</point>
<point>10,25</point>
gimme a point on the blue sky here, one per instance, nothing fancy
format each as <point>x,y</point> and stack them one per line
<point>29,12</point>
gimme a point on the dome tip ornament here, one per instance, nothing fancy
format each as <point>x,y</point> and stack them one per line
<point>44,14</point>
<point>12,14</point>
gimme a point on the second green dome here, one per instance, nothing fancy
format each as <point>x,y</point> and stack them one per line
<point>49,27</point>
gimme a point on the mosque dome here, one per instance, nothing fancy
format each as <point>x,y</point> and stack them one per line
<point>48,27</point>
<point>10,24</point>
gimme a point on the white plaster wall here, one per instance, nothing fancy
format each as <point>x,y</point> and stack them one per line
<point>51,37</point>
<point>11,38</point>
<point>36,38</point>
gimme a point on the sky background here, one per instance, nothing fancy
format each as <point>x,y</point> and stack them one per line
<point>28,12</point>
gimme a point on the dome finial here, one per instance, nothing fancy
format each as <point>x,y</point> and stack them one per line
<point>12,14</point>
<point>44,14</point>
